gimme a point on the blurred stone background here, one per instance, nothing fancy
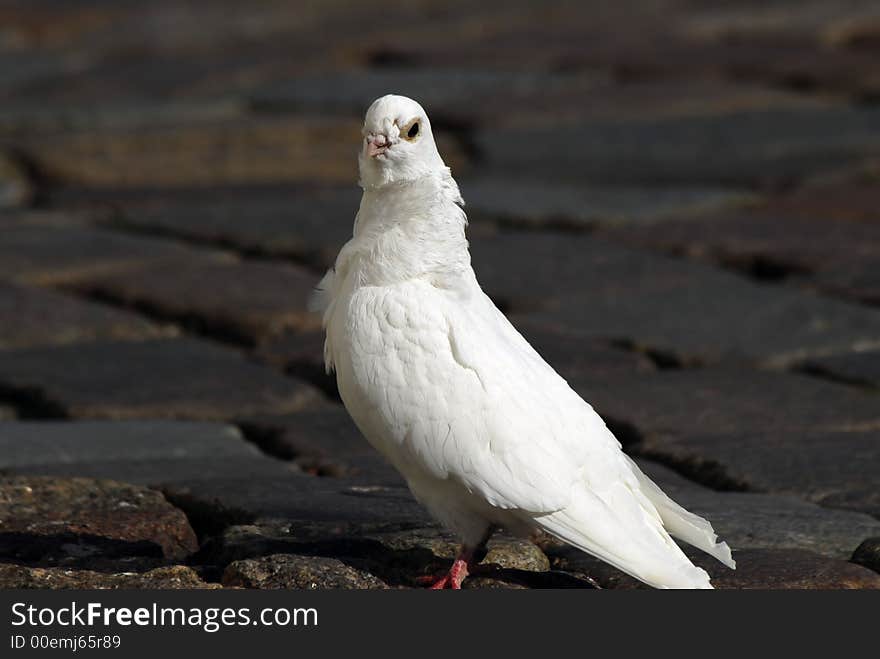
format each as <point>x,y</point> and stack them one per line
<point>676,200</point>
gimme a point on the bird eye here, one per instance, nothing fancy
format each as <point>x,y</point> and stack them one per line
<point>411,130</point>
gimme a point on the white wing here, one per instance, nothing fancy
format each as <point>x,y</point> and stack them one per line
<point>540,436</point>
<point>470,399</point>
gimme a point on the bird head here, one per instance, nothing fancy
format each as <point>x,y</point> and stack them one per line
<point>398,145</point>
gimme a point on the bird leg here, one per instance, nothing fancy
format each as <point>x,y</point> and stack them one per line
<point>463,565</point>
<point>454,578</point>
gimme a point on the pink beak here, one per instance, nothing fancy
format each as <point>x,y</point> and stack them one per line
<point>376,146</point>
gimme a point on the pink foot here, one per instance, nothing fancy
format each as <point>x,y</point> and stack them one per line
<point>451,579</point>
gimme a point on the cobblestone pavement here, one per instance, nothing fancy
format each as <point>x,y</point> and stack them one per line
<point>678,201</point>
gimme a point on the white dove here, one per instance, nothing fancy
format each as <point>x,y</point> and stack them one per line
<point>485,432</point>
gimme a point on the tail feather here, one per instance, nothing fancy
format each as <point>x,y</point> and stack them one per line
<point>681,523</point>
<point>628,524</point>
<point>638,546</point>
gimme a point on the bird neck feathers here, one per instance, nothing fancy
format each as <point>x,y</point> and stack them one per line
<point>409,229</point>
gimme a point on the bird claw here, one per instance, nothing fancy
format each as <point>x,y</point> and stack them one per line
<point>443,582</point>
<point>451,580</point>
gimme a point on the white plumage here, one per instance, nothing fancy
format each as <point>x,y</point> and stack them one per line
<point>484,431</point>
